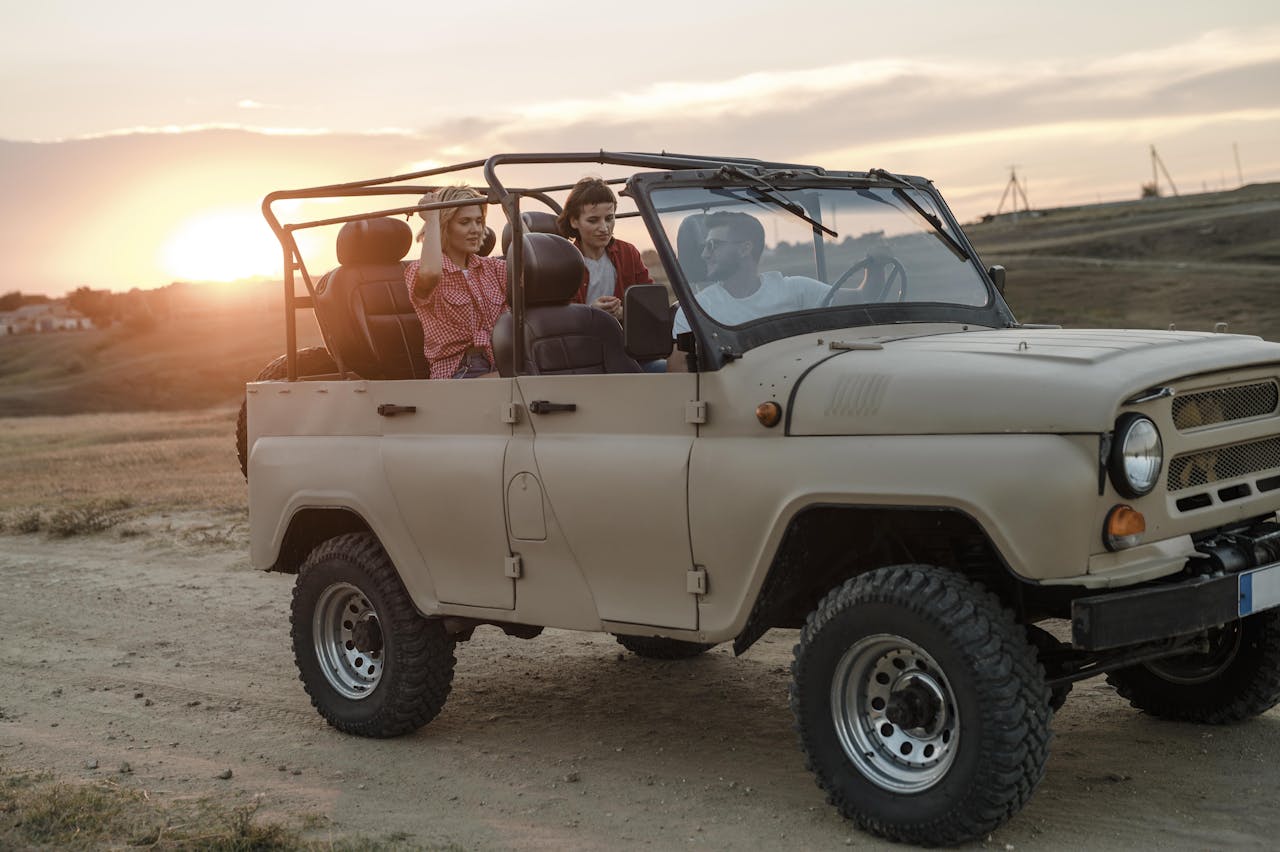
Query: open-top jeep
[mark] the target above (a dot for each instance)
(962, 515)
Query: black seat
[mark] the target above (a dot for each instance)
(560, 337)
(535, 222)
(364, 306)
(690, 238)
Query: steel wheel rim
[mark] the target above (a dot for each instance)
(895, 713)
(347, 636)
(1192, 669)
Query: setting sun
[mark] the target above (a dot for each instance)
(221, 245)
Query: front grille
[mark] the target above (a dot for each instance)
(1221, 463)
(1224, 405)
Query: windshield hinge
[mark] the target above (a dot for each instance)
(695, 582)
(695, 412)
(853, 346)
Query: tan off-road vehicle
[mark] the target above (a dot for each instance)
(962, 515)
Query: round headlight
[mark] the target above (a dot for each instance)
(1136, 455)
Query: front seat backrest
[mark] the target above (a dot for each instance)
(535, 222)
(364, 306)
(560, 337)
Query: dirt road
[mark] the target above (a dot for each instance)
(173, 656)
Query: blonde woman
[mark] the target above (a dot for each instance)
(457, 294)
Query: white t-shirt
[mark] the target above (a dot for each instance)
(777, 294)
(601, 277)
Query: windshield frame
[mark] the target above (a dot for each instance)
(718, 344)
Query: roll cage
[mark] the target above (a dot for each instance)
(716, 345)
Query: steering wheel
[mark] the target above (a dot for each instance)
(882, 270)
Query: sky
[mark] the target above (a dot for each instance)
(137, 138)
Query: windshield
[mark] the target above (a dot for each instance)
(754, 252)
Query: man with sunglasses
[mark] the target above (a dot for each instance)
(740, 292)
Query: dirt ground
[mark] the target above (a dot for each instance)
(164, 650)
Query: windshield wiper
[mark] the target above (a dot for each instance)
(932, 218)
(769, 192)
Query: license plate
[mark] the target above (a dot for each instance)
(1259, 589)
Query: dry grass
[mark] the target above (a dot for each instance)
(74, 474)
(38, 812)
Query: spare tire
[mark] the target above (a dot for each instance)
(312, 361)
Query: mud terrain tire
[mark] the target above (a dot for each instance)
(314, 360)
(659, 648)
(371, 663)
(1237, 679)
(920, 705)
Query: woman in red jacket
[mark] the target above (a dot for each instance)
(613, 265)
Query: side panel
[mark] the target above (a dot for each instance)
(444, 465)
(317, 444)
(744, 491)
(614, 472)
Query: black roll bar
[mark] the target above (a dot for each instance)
(495, 193)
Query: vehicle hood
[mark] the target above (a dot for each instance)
(1007, 380)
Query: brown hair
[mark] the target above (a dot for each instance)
(589, 190)
(741, 226)
(452, 193)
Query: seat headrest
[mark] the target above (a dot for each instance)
(373, 241)
(553, 269)
(535, 222)
(690, 239)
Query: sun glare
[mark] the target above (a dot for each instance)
(221, 245)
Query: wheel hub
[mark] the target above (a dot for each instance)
(367, 635)
(916, 704)
(894, 713)
(348, 641)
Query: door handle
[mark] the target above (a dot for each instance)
(542, 406)
(388, 409)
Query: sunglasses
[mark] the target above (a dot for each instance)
(712, 244)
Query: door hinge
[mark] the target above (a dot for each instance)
(513, 567)
(695, 412)
(695, 582)
(511, 412)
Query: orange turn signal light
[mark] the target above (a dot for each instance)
(1124, 527)
(769, 414)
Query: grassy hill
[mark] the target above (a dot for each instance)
(1192, 261)
(186, 362)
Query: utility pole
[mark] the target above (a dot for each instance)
(1235, 149)
(1014, 189)
(1157, 162)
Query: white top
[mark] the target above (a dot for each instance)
(601, 277)
(777, 294)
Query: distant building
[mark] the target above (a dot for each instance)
(46, 317)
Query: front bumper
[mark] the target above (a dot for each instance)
(1167, 611)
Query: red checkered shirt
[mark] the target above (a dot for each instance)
(461, 311)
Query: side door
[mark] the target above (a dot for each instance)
(444, 463)
(611, 458)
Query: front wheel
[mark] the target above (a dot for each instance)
(371, 663)
(920, 704)
(1235, 678)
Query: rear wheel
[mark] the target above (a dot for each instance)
(312, 361)
(659, 648)
(371, 663)
(921, 707)
(1236, 678)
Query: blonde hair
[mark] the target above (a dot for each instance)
(452, 193)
